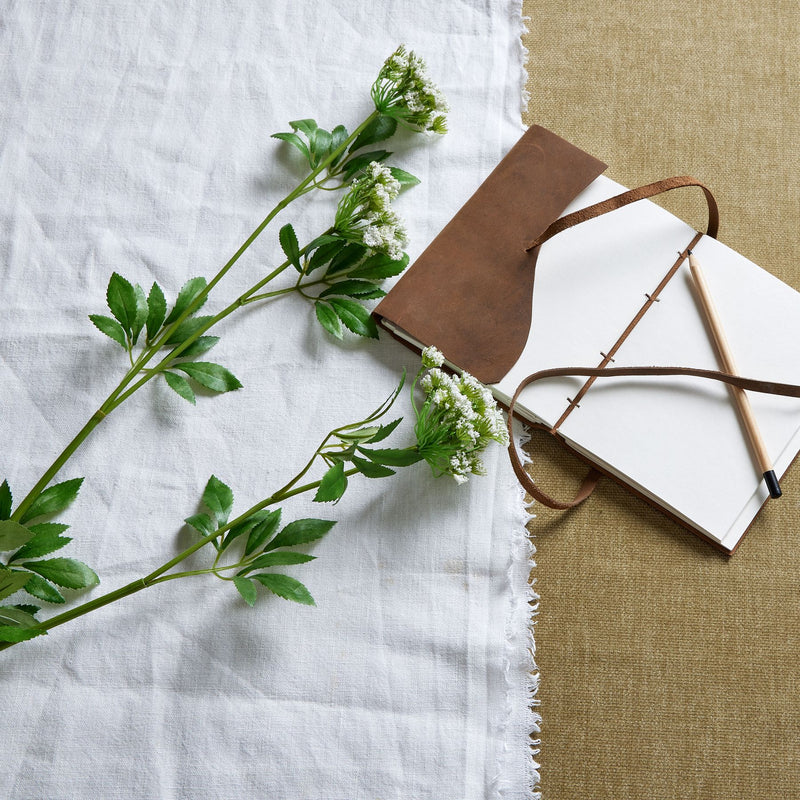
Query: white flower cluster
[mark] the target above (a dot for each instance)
(365, 213)
(404, 91)
(432, 357)
(458, 420)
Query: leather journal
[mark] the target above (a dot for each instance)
(569, 296)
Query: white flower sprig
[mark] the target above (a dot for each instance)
(457, 420)
(365, 213)
(404, 91)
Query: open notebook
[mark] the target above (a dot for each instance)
(677, 441)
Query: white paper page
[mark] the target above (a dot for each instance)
(680, 439)
(590, 282)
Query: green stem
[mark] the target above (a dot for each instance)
(122, 390)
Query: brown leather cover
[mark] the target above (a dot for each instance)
(470, 292)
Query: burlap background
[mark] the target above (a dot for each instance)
(669, 670)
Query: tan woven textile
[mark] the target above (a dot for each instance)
(668, 669)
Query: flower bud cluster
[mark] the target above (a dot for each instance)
(404, 91)
(458, 419)
(365, 213)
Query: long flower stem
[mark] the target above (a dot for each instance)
(123, 390)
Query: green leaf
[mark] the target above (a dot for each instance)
(352, 288)
(386, 430)
(202, 523)
(263, 531)
(42, 589)
(218, 498)
(189, 291)
(13, 535)
(370, 469)
(320, 146)
(392, 457)
(379, 267)
(404, 178)
(299, 532)
(156, 310)
(355, 317)
(332, 486)
(189, 327)
(180, 385)
(245, 526)
(212, 376)
(286, 587)
(121, 299)
(306, 126)
(325, 253)
(11, 581)
(329, 319)
(9, 633)
(111, 328)
(380, 128)
(357, 163)
(46, 539)
(199, 346)
(346, 258)
(288, 239)
(247, 589)
(142, 312)
(6, 500)
(360, 435)
(65, 572)
(338, 137)
(54, 499)
(284, 558)
(295, 141)
(9, 615)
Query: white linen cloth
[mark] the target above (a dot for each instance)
(134, 137)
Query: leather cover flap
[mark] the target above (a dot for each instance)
(470, 292)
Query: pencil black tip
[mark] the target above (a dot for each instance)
(772, 484)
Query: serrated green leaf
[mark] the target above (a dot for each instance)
(11, 581)
(202, 523)
(332, 486)
(66, 572)
(370, 469)
(43, 590)
(218, 498)
(245, 526)
(299, 532)
(10, 615)
(392, 457)
(212, 376)
(286, 587)
(188, 293)
(13, 535)
(11, 634)
(364, 290)
(320, 145)
(359, 435)
(329, 319)
(404, 178)
(121, 299)
(355, 317)
(46, 539)
(6, 500)
(54, 499)
(291, 248)
(263, 531)
(111, 328)
(385, 430)
(31, 609)
(189, 327)
(199, 346)
(284, 558)
(378, 130)
(141, 312)
(347, 257)
(325, 253)
(379, 266)
(156, 310)
(306, 126)
(246, 589)
(338, 138)
(294, 140)
(355, 164)
(180, 385)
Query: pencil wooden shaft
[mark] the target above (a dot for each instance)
(728, 365)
